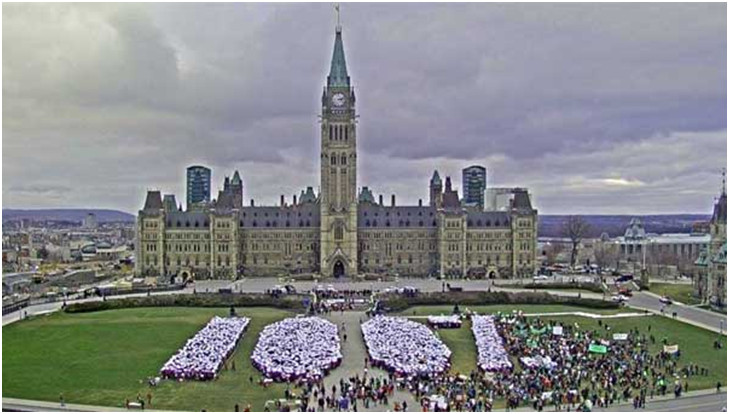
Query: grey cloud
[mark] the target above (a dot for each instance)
(131, 94)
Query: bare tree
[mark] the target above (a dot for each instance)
(574, 228)
(605, 254)
(552, 252)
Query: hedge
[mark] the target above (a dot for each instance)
(399, 303)
(202, 300)
(592, 287)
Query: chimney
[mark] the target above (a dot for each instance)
(283, 202)
(294, 199)
(253, 203)
(420, 202)
(393, 200)
(381, 202)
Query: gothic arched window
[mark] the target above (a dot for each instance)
(346, 133)
(334, 159)
(344, 159)
(331, 133)
(339, 232)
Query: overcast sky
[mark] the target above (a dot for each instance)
(610, 108)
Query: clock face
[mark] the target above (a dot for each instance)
(338, 99)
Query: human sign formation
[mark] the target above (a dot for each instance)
(491, 353)
(298, 348)
(405, 347)
(204, 354)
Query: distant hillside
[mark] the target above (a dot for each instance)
(551, 225)
(70, 214)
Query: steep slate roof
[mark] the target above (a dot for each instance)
(153, 201)
(188, 220)
(225, 201)
(521, 201)
(300, 216)
(487, 219)
(375, 215)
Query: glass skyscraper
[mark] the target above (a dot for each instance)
(198, 185)
(474, 186)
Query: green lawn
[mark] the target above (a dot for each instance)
(102, 358)
(463, 348)
(447, 309)
(678, 292)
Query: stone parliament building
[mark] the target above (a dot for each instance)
(337, 233)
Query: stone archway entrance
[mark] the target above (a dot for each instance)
(492, 275)
(338, 270)
(185, 276)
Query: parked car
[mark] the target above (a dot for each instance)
(665, 300)
(541, 277)
(624, 278)
(625, 292)
(619, 298)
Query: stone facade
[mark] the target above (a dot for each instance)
(337, 232)
(710, 283)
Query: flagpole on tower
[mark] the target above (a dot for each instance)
(336, 8)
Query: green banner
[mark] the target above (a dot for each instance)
(536, 331)
(598, 349)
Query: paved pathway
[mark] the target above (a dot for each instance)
(353, 352)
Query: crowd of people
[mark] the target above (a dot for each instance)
(563, 367)
(445, 321)
(404, 347)
(298, 349)
(491, 353)
(203, 355)
(570, 365)
(351, 394)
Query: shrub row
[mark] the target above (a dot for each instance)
(398, 303)
(592, 287)
(202, 300)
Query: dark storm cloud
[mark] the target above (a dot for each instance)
(596, 107)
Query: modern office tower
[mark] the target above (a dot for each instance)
(198, 185)
(474, 186)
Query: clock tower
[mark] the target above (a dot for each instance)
(338, 200)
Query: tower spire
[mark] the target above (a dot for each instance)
(338, 76)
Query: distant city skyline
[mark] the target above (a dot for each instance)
(596, 108)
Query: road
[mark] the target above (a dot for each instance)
(699, 401)
(704, 403)
(701, 317)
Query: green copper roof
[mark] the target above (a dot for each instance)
(338, 73)
(236, 178)
(720, 257)
(703, 259)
